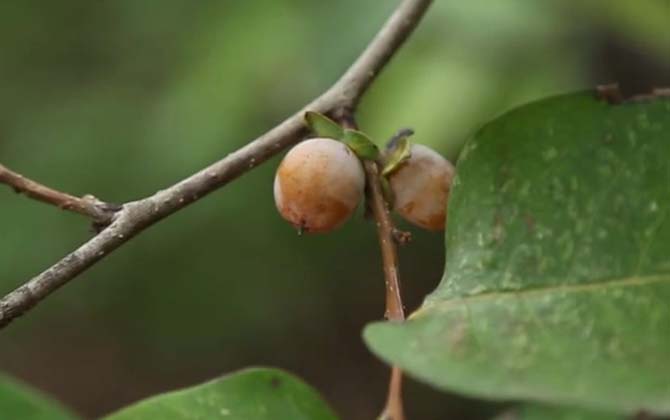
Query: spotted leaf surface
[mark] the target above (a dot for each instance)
(256, 394)
(557, 280)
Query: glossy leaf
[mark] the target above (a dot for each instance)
(548, 412)
(361, 144)
(256, 394)
(557, 282)
(18, 401)
(323, 126)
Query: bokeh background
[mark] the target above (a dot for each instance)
(121, 98)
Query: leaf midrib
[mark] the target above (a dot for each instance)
(564, 288)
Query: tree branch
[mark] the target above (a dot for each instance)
(387, 243)
(89, 206)
(386, 232)
(136, 216)
(388, 235)
(394, 306)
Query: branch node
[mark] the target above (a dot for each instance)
(100, 212)
(402, 237)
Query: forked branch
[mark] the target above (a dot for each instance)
(136, 216)
(100, 212)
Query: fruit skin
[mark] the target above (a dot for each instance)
(318, 185)
(421, 188)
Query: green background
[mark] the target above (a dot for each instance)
(122, 98)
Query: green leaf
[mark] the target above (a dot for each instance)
(548, 412)
(400, 151)
(256, 393)
(361, 144)
(557, 282)
(323, 126)
(18, 401)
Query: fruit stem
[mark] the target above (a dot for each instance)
(385, 231)
(387, 243)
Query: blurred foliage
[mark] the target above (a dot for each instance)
(18, 401)
(255, 393)
(548, 412)
(121, 98)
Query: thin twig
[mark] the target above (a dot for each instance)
(89, 206)
(136, 216)
(388, 236)
(394, 307)
(387, 243)
(394, 406)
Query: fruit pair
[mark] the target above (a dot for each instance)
(320, 182)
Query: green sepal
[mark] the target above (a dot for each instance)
(361, 144)
(399, 152)
(323, 126)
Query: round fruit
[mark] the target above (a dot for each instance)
(318, 185)
(421, 188)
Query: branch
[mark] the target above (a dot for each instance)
(388, 235)
(89, 206)
(136, 216)
(394, 307)
(387, 242)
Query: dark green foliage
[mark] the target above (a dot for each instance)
(19, 402)
(557, 279)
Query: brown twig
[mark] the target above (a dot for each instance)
(89, 206)
(394, 308)
(394, 406)
(387, 242)
(388, 236)
(136, 216)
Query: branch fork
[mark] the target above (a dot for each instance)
(100, 212)
(117, 224)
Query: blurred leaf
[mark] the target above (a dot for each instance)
(361, 144)
(558, 267)
(256, 393)
(548, 412)
(323, 126)
(400, 151)
(18, 401)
